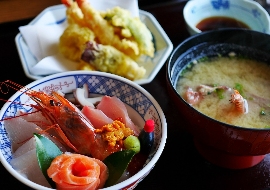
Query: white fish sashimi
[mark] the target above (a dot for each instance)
(36, 116)
(40, 121)
(18, 128)
(19, 131)
(26, 147)
(27, 165)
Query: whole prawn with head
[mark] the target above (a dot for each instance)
(74, 129)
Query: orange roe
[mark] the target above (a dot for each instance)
(115, 132)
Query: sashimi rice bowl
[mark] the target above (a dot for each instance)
(80, 130)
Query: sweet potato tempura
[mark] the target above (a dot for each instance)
(72, 40)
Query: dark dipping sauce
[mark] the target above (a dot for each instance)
(213, 23)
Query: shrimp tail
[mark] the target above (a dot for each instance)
(241, 104)
(192, 97)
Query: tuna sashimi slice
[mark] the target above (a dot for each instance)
(96, 117)
(114, 108)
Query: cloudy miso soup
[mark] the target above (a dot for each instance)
(229, 89)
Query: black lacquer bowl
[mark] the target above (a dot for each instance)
(222, 144)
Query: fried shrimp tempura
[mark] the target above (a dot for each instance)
(108, 59)
(74, 13)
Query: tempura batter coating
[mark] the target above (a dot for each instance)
(72, 41)
(74, 13)
(131, 28)
(140, 41)
(121, 39)
(108, 59)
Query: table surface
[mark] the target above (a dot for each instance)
(180, 165)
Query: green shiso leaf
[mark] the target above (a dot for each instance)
(46, 151)
(117, 164)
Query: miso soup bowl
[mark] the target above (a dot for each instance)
(220, 143)
(249, 12)
(140, 104)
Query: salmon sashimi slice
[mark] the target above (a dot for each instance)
(96, 117)
(114, 108)
(75, 171)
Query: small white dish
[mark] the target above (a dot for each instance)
(247, 11)
(57, 14)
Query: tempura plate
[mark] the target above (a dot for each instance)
(57, 14)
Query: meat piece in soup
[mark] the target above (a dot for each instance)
(229, 89)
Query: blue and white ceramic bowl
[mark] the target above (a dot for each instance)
(247, 11)
(140, 104)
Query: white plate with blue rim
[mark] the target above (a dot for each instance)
(57, 14)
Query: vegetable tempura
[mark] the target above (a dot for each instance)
(121, 39)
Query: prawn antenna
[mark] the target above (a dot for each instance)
(6, 85)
